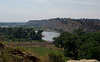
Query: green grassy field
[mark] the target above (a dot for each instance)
(42, 51)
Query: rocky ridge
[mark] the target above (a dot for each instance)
(67, 24)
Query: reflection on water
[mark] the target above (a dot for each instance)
(48, 36)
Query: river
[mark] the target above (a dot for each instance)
(49, 35)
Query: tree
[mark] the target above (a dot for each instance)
(80, 44)
(20, 34)
(32, 35)
(59, 41)
(39, 34)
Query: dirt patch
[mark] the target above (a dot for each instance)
(30, 44)
(49, 45)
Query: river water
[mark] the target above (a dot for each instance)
(48, 36)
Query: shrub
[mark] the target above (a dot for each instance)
(52, 57)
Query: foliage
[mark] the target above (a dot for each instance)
(80, 44)
(46, 54)
(20, 34)
(56, 57)
(42, 51)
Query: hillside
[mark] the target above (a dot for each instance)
(11, 24)
(29, 52)
(67, 24)
(12, 54)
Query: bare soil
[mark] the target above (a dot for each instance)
(34, 44)
(30, 44)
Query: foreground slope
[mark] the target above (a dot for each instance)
(11, 54)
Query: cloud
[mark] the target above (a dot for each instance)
(34, 1)
(83, 2)
(21, 10)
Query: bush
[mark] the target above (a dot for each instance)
(56, 57)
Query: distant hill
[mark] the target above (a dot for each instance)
(67, 24)
(11, 24)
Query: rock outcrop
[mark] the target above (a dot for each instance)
(16, 55)
(84, 60)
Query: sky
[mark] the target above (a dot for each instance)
(25, 10)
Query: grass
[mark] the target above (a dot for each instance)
(6, 57)
(42, 51)
(47, 54)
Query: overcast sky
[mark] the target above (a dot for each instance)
(25, 10)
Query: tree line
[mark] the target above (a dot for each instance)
(20, 33)
(79, 44)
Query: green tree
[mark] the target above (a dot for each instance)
(32, 35)
(80, 44)
(39, 34)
